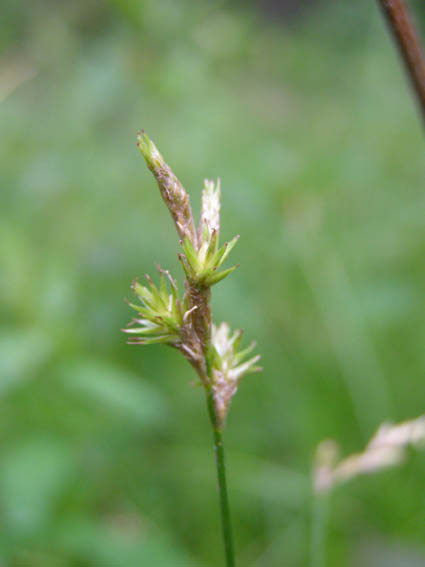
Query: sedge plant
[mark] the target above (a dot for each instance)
(184, 321)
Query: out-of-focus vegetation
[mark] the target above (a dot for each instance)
(105, 449)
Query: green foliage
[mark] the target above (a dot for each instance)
(313, 132)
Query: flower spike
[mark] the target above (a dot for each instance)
(186, 323)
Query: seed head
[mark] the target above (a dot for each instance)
(186, 324)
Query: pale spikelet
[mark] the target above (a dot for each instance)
(210, 212)
(228, 368)
(386, 448)
(407, 433)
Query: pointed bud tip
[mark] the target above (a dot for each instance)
(139, 138)
(146, 146)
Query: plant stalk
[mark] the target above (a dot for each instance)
(221, 478)
(319, 530)
(406, 38)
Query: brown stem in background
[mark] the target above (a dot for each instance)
(405, 36)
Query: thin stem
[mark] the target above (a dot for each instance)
(221, 478)
(318, 530)
(401, 27)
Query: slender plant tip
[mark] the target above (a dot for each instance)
(172, 191)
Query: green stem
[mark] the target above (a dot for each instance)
(221, 477)
(318, 530)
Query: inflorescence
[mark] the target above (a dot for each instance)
(185, 322)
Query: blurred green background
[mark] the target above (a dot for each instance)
(303, 111)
